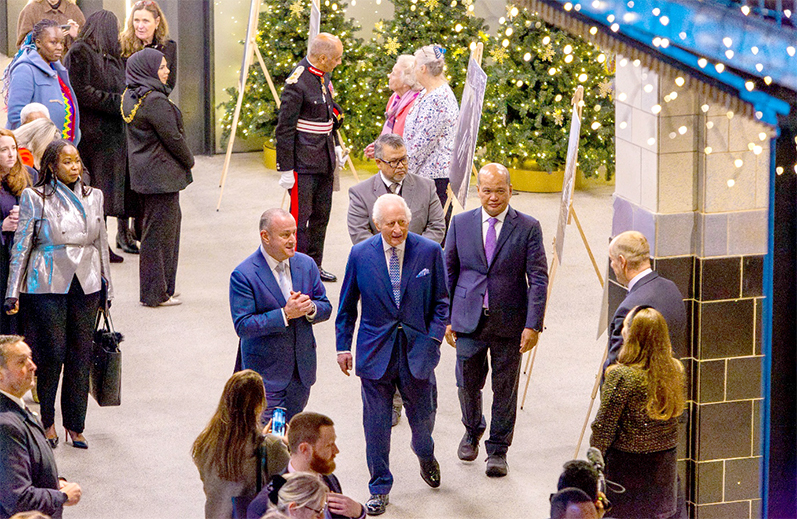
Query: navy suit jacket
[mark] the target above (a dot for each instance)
(28, 475)
(663, 295)
(267, 345)
(423, 313)
(517, 278)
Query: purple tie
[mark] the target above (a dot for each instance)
(489, 250)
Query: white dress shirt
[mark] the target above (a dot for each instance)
(638, 277)
(389, 183)
(486, 224)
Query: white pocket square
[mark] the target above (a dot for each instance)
(424, 272)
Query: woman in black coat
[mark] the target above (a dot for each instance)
(95, 64)
(160, 167)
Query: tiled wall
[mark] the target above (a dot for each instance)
(694, 179)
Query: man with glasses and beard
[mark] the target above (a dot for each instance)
(311, 438)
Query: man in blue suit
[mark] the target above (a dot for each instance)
(276, 296)
(498, 280)
(629, 253)
(400, 279)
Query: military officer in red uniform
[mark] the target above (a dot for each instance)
(307, 148)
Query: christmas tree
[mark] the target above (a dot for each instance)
(451, 24)
(283, 27)
(534, 70)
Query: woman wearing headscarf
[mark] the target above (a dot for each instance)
(37, 76)
(98, 77)
(160, 167)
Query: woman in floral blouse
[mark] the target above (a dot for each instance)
(431, 123)
(636, 428)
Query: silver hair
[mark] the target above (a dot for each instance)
(388, 139)
(501, 169)
(6, 341)
(36, 136)
(323, 45)
(386, 199)
(304, 489)
(407, 64)
(269, 215)
(32, 108)
(426, 56)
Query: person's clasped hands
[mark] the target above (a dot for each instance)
(298, 305)
(11, 221)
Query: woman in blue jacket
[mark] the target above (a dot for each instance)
(37, 76)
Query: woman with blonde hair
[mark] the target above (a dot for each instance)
(636, 428)
(302, 496)
(146, 27)
(234, 453)
(35, 136)
(432, 120)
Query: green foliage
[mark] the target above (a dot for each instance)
(283, 27)
(534, 70)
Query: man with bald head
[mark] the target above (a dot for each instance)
(307, 147)
(399, 279)
(629, 254)
(498, 280)
(276, 296)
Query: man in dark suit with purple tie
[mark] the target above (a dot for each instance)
(498, 280)
(400, 279)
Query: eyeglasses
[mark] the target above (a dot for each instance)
(403, 161)
(318, 513)
(142, 3)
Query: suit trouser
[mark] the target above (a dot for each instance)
(293, 398)
(314, 203)
(160, 246)
(60, 333)
(471, 374)
(420, 402)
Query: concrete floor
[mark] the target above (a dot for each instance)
(176, 361)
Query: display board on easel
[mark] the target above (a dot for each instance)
(250, 51)
(567, 213)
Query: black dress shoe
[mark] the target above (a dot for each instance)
(496, 466)
(326, 276)
(376, 504)
(468, 447)
(430, 472)
(126, 243)
(114, 257)
(396, 416)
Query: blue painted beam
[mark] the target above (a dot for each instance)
(707, 29)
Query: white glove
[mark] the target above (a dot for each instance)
(341, 156)
(287, 179)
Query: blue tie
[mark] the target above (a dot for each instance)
(395, 276)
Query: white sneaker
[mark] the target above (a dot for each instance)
(172, 301)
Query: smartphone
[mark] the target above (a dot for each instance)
(278, 421)
(66, 28)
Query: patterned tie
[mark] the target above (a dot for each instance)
(489, 251)
(395, 276)
(283, 280)
(394, 187)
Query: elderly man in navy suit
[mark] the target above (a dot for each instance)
(498, 279)
(276, 296)
(629, 254)
(28, 475)
(399, 277)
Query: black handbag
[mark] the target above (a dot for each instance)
(105, 380)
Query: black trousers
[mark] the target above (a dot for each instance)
(471, 374)
(313, 205)
(59, 330)
(160, 247)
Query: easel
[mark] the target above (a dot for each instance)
(476, 55)
(567, 191)
(250, 51)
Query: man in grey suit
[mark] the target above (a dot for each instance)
(418, 192)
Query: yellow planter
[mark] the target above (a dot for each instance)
(536, 181)
(269, 157)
